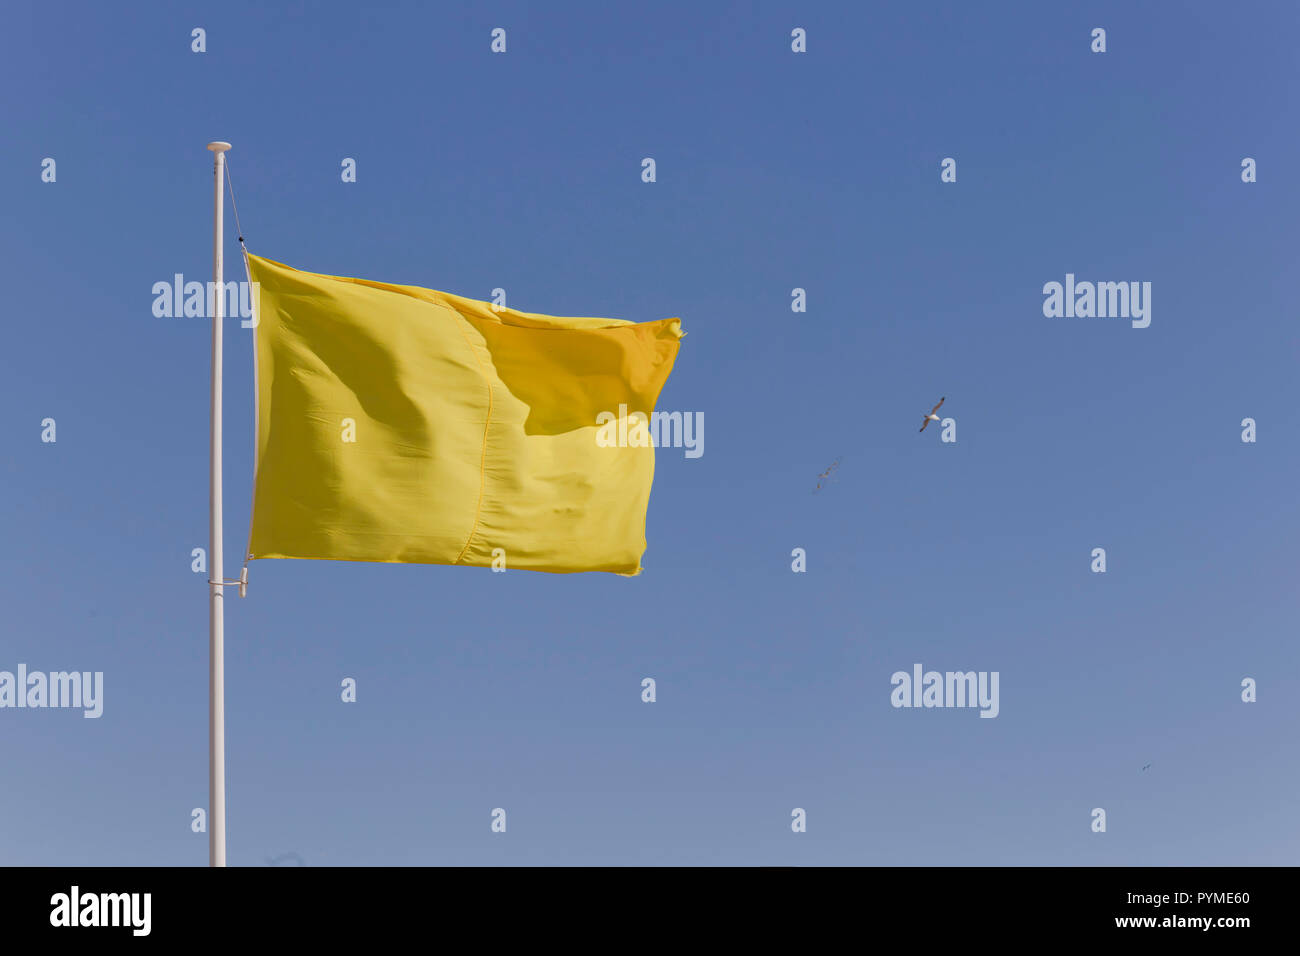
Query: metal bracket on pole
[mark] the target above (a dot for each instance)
(242, 583)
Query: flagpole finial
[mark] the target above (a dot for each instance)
(218, 146)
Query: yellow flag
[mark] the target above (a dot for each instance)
(401, 424)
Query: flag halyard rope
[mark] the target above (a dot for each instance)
(239, 230)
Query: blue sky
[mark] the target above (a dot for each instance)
(775, 170)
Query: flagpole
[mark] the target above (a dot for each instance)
(216, 569)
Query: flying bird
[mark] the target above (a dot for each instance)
(822, 478)
(1144, 768)
(932, 417)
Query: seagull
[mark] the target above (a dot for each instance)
(932, 417)
(1146, 767)
(821, 479)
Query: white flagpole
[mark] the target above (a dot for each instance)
(216, 569)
